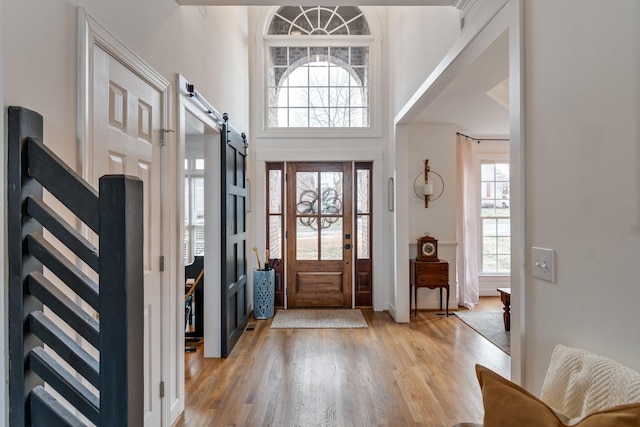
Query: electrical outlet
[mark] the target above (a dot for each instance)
(542, 264)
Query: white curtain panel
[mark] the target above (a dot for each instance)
(466, 226)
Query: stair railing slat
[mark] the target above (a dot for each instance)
(69, 350)
(64, 269)
(65, 184)
(63, 232)
(56, 300)
(72, 390)
(47, 411)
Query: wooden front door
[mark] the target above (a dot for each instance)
(319, 235)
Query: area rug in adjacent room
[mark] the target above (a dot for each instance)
(490, 325)
(318, 318)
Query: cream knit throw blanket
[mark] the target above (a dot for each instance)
(579, 383)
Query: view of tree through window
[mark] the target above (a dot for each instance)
(318, 84)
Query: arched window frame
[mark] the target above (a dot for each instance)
(372, 41)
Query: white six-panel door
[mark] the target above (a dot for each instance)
(126, 137)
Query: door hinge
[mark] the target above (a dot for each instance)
(161, 262)
(161, 389)
(163, 136)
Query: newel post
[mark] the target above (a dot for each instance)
(121, 301)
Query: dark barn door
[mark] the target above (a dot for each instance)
(234, 237)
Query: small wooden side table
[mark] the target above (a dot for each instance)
(432, 275)
(505, 297)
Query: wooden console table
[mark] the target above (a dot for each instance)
(505, 297)
(432, 275)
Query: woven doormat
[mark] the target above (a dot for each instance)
(319, 319)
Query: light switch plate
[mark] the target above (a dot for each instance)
(542, 264)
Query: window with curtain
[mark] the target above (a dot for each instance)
(495, 218)
(318, 68)
(193, 207)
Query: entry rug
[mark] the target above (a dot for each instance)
(318, 319)
(490, 325)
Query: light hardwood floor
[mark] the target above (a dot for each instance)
(416, 374)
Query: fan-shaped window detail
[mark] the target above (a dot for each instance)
(318, 20)
(311, 82)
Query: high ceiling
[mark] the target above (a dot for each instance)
(476, 101)
(466, 103)
(315, 2)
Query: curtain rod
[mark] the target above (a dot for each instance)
(482, 139)
(194, 94)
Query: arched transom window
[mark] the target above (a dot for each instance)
(318, 71)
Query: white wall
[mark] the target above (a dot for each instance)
(418, 38)
(436, 142)
(582, 142)
(40, 69)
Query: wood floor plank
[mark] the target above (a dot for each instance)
(416, 374)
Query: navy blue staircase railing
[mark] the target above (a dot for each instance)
(46, 319)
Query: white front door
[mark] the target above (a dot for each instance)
(126, 115)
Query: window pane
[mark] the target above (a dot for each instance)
(488, 190)
(199, 164)
(489, 227)
(489, 245)
(487, 172)
(341, 54)
(298, 54)
(331, 239)
(275, 236)
(187, 197)
(272, 96)
(359, 26)
(359, 117)
(307, 189)
(357, 97)
(275, 191)
(363, 237)
(504, 245)
(298, 117)
(318, 117)
(278, 55)
(318, 97)
(299, 97)
(362, 204)
(339, 97)
(331, 183)
(504, 227)
(360, 56)
(199, 240)
(504, 264)
(306, 242)
(502, 172)
(489, 263)
(319, 54)
(197, 202)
